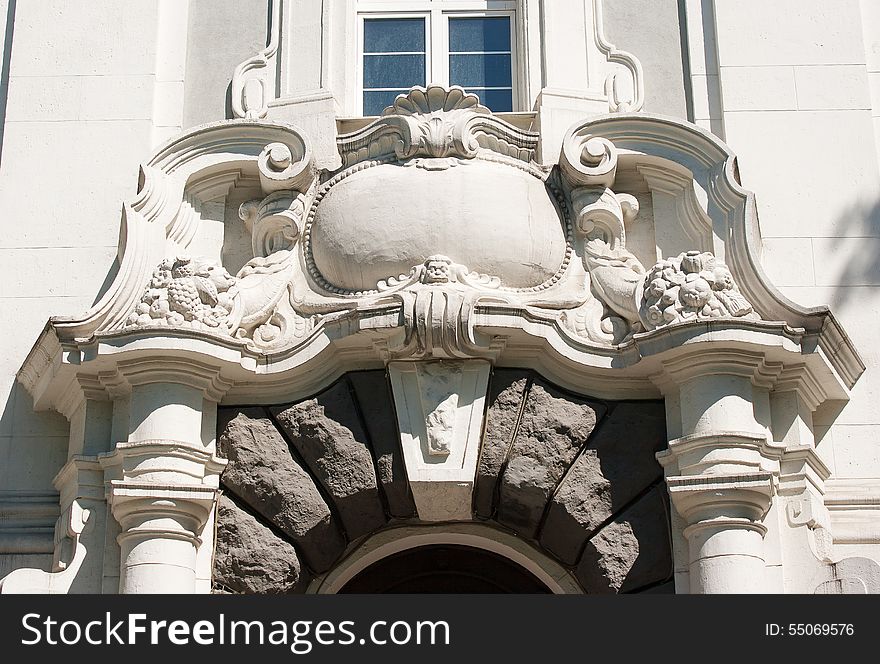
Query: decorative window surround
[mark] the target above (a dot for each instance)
(140, 375)
(435, 15)
(308, 74)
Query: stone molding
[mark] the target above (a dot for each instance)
(253, 79)
(28, 521)
(853, 507)
(616, 103)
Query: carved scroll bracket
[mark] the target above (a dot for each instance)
(275, 222)
(284, 167)
(587, 161)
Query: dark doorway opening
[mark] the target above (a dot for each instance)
(445, 569)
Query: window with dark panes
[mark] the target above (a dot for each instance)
(416, 42)
(480, 59)
(394, 60)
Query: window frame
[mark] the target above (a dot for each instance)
(436, 15)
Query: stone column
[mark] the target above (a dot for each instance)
(160, 535)
(720, 466)
(725, 537)
(163, 481)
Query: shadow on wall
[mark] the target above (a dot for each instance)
(857, 255)
(34, 445)
(4, 73)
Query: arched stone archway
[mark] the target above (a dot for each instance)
(575, 478)
(439, 568)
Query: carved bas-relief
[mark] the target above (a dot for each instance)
(558, 242)
(440, 408)
(443, 251)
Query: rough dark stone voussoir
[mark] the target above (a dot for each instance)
(617, 464)
(631, 552)
(250, 558)
(505, 398)
(377, 407)
(262, 473)
(553, 428)
(328, 435)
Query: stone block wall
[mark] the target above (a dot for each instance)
(575, 477)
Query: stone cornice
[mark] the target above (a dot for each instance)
(80, 477)
(162, 462)
(726, 362)
(802, 469)
(636, 369)
(720, 453)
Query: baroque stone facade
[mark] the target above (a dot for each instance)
(547, 335)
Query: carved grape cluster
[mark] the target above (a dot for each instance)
(186, 292)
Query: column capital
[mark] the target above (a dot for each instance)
(140, 500)
(162, 525)
(737, 500)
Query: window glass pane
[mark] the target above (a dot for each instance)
(393, 71)
(491, 33)
(394, 35)
(499, 101)
(491, 71)
(375, 101)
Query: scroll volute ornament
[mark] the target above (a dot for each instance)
(693, 285)
(198, 293)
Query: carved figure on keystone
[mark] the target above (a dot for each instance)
(436, 270)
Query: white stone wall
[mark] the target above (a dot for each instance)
(797, 100)
(89, 88)
(92, 86)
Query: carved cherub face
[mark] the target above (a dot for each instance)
(436, 270)
(721, 278)
(695, 291)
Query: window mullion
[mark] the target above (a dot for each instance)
(439, 48)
